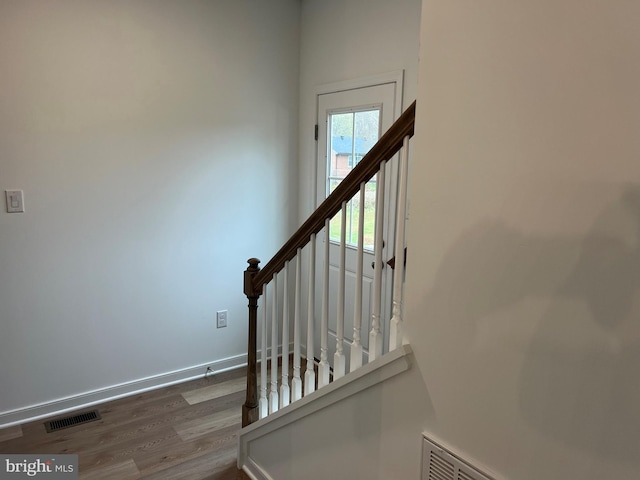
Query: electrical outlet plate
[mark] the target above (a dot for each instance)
(221, 318)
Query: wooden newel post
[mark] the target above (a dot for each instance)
(250, 412)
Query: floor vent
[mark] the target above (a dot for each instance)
(441, 464)
(55, 425)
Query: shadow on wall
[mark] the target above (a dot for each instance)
(579, 382)
(587, 362)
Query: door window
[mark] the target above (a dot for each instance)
(352, 134)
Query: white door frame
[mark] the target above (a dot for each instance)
(396, 77)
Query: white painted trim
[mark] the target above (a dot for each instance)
(381, 369)
(396, 77)
(259, 353)
(255, 471)
(88, 399)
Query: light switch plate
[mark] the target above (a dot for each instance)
(15, 201)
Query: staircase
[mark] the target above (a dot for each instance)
(283, 309)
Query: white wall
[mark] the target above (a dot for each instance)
(370, 434)
(523, 293)
(346, 40)
(156, 145)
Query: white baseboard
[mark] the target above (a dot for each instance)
(88, 399)
(255, 471)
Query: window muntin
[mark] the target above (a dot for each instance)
(352, 134)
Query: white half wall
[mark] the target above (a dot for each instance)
(156, 144)
(361, 426)
(523, 285)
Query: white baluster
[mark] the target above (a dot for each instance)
(356, 346)
(273, 395)
(338, 357)
(324, 367)
(296, 381)
(284, 385)
(395, 331)
(263, 403)
(375, 336)
(309, 375)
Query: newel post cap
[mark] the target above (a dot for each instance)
(249, 290)
(253, 264)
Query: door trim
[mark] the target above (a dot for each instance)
(394, 80)
(396, 77)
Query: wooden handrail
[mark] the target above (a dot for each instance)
(386, 147)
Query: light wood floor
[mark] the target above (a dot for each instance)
(183, 432)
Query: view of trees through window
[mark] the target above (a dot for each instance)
(352, 136)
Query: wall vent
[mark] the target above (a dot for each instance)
(55, 425)
(439, 463)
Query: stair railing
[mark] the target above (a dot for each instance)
(264, 283)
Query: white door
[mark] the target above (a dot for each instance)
(349, 124)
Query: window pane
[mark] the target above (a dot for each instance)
(352, 136)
